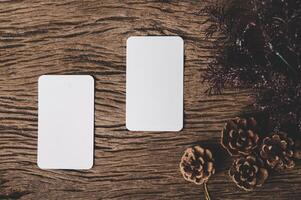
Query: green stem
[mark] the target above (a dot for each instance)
(285, 62)
(207, 195)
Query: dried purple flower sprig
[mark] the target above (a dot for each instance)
(260, 49)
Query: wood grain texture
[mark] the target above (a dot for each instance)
(89, 37)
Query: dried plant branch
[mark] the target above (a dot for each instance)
(260, 49)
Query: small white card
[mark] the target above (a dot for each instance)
(154, 83)
(65, 122)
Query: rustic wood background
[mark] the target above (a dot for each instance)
(89, 37)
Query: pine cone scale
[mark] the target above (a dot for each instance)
(264, 174)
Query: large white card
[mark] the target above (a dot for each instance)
(65, 121)
(154, 83)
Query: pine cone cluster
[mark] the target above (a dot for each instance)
(197, 165)
(254, 156)
(248, 173)
(277, 151)
(239, 136)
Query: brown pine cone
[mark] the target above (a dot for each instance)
(240, 136)
(197, 165)
(248, 173)
(277, 151)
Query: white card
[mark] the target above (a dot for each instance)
(154, 83)
(66, 122)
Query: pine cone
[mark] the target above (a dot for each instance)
(197, 165)
(248, 173)
(277, 151)
(239, 136)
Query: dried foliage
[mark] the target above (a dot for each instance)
(259, 49)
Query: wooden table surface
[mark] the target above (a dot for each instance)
(89, 37)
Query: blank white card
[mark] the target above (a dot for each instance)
(154, 83)
(65, 121)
